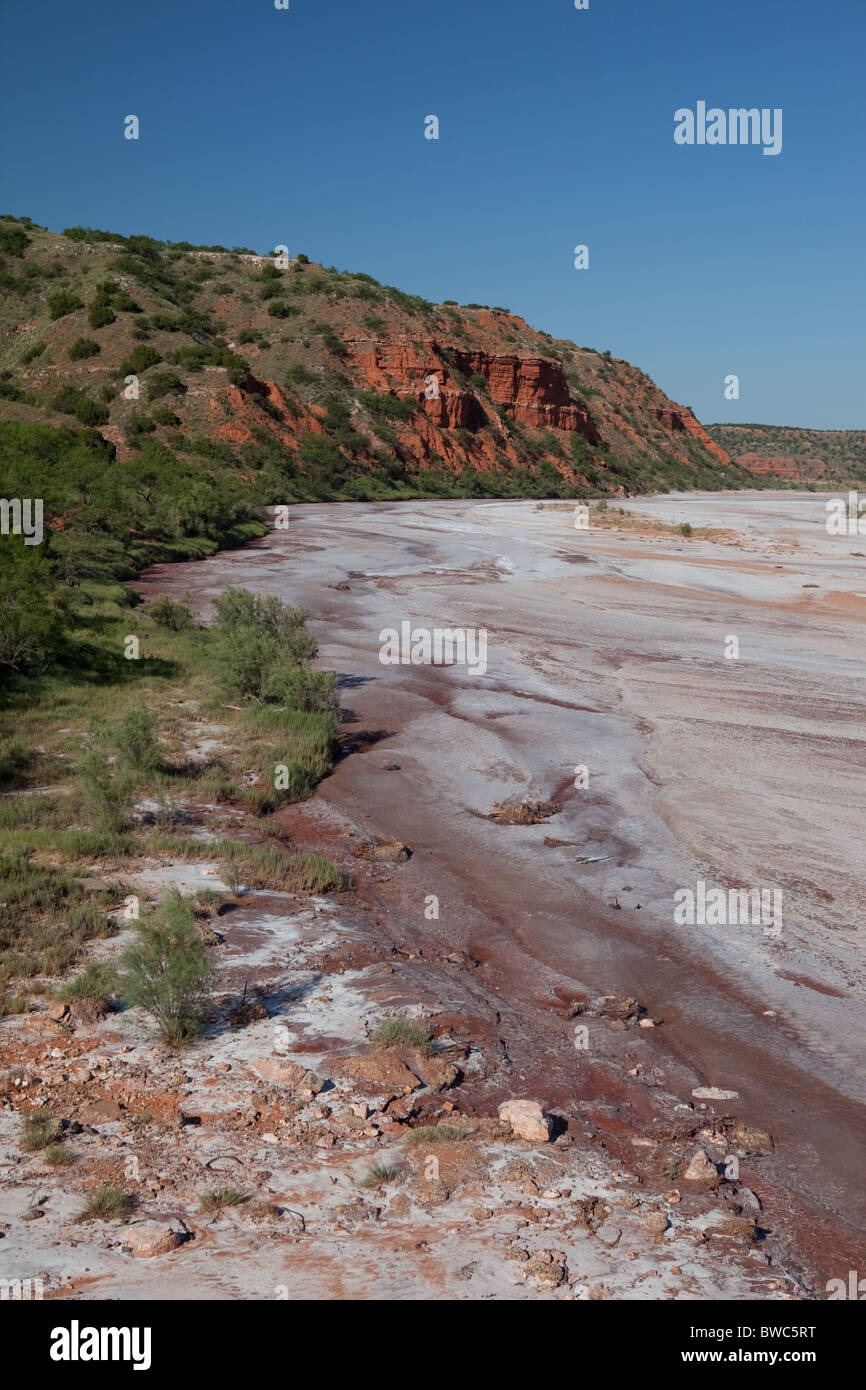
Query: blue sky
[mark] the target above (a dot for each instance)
(306, 127)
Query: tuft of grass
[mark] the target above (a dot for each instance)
(380, 1175)
(435, 1134)
(37, 1132)
(219, 1197)
(106, 1203)
(58, 1155)
(402, 1032)
(98, 983)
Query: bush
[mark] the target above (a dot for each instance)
(167, 971)
(686, 528)
(63, 303)
(178, 617)
(138, 361)
(70, 401)
(219, 1197)
(387, 406)
(82, 347)
(100, 314)
(37, 1131)
(260, 650)
(135, 738)
(13, 240)
(435, 1134)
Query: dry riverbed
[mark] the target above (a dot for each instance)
(701, 1086)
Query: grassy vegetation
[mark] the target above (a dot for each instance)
(402, 1032)
(435, 1134)
(100, 733)
(380, 1175)
(219, 1197)
(106, 1203)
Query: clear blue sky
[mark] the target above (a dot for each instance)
(306, 127)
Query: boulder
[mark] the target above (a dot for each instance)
(149, 1238)
(278, 1069)
(527, 1120)
(700, 1169)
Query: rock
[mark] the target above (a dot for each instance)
(657, 1222)
(548, 1273)
(58, 1012)
(279, 1070)
(714, 1093)
(382, 1067)
(527, 1120)
(102, 1112)
(310, 1085)
(436, 1073)
(700, 1169)
(738, 1227)
(149, 1238)
(82, 1074)
(754, 1141)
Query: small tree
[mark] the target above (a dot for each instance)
(167, 971)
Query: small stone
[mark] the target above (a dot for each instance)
(657, 1222)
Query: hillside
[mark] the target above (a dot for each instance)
(795, 455)
(308, 382)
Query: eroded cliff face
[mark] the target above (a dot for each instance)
(795, 455)
(265, 359)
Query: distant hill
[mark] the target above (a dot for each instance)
(308, 382)
(795, 455)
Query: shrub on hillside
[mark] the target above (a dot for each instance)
(82, 347)
(70, 401)
(63, 303)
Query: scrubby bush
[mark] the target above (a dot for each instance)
(261, 648)
(167, 972)
(82, 347)
(63, 303)
(71, 401)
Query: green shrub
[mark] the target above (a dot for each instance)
(385, 405)
(260, 650)
(178, 617)
(82, 347)
(167, 971)
(62, 303)
(100, 314)
(13, 240)
(70, 401)
(137, 744)
(138, 361)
